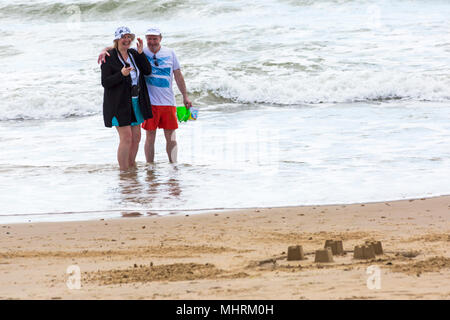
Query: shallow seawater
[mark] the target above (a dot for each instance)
(270, 157)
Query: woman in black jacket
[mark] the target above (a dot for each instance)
(126, 103)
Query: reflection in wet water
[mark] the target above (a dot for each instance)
(174, 187)
(144, 184)
(151, 179)
(130, 186)
(131, 214)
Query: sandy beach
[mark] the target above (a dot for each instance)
(233, 255)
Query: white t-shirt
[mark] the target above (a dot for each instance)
(159, 83)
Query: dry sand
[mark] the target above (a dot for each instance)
(234, 255)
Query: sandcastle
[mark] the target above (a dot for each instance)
(324, 255)
(368, 251)
(295, 253)
(364, 252)
(336, 246)
(376, 246)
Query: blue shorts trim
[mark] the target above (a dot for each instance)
(115, 122)
(137, 112)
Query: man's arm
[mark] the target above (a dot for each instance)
(103, 54)
(182, 87)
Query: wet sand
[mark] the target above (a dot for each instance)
(234, 255)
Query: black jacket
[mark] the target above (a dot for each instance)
(117, 95)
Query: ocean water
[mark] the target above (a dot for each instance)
(301, 102)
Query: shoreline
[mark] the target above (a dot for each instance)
(176, 212)
(234, 254)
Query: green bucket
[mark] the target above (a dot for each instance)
(183, 114)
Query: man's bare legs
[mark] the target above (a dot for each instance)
(149, 146)
(171, 145)
(135, 139)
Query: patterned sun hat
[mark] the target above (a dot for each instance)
(121, 31)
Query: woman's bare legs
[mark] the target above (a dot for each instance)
(135, 139)
(123, 151)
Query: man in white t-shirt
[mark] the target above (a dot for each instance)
(165, 67)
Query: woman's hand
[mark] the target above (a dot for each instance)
(126, 71)
(140, 45)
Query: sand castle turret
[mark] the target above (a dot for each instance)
(295, 253)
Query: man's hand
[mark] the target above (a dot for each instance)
(140, 45)
(126, 71)
(103, 54)
(102, 57)
(187, 102)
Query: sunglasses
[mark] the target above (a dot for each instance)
(156, 60)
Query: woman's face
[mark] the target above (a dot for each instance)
(125, 41)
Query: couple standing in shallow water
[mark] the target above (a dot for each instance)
(138, 92)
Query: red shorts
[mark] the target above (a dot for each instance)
(164, 117)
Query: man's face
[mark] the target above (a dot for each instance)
(153, 42)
